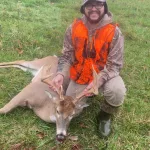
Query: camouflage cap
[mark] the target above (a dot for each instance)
(85, 1)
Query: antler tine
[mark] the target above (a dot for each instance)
(49, 82)
(60, 92)
(93, 90)
(46, 80)
(82, 95)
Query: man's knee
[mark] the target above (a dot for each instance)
(114, 91)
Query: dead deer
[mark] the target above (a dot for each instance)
(50, 106)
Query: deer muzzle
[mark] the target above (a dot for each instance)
(62, 126)
(60, 138)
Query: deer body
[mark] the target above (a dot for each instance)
(36, 100)
(48, 105)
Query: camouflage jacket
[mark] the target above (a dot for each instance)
(115, 56)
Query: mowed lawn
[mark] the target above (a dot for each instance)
(34, 29)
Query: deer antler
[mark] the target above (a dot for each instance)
(46, 79)
(93, 90)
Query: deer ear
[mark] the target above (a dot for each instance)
(53, 98)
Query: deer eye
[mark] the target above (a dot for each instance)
(57, 112)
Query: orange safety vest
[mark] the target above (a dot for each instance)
(89, 51)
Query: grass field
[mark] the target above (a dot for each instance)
(35, 29)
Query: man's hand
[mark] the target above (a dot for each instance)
(90, 86)
(57, 82)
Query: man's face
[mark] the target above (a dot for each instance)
(94, 11)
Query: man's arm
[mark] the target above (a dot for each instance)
(67, 54)
(114, 60)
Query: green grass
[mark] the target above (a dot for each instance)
(37, 28)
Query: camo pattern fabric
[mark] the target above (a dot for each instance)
(115, 56)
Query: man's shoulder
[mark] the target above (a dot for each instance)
(118, 31)
(74, 21)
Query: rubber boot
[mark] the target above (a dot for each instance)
(104, 124)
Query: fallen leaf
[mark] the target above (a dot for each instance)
(19, 44)
(54, 148)
(40, 135)
(31, 148)
(145, 67)
(19, 51)
(17, 146)
(76, 147)
(19, 47)
(83, 125)
(73, 138)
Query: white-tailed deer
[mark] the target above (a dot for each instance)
(50, 106)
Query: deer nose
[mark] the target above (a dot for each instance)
(60, 138)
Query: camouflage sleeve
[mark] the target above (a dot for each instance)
(115, 58)
(66, 58)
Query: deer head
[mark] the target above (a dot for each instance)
(66, 107)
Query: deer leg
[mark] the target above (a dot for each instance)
(21, 64)
(10, 106)
(15, 64)
(8, 66)
(31, 66)
(15, 102)
(7, 108)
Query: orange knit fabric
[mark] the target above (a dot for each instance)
(89, 51)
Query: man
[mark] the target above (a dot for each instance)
(94, 40)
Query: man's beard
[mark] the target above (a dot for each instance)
(94, 21)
